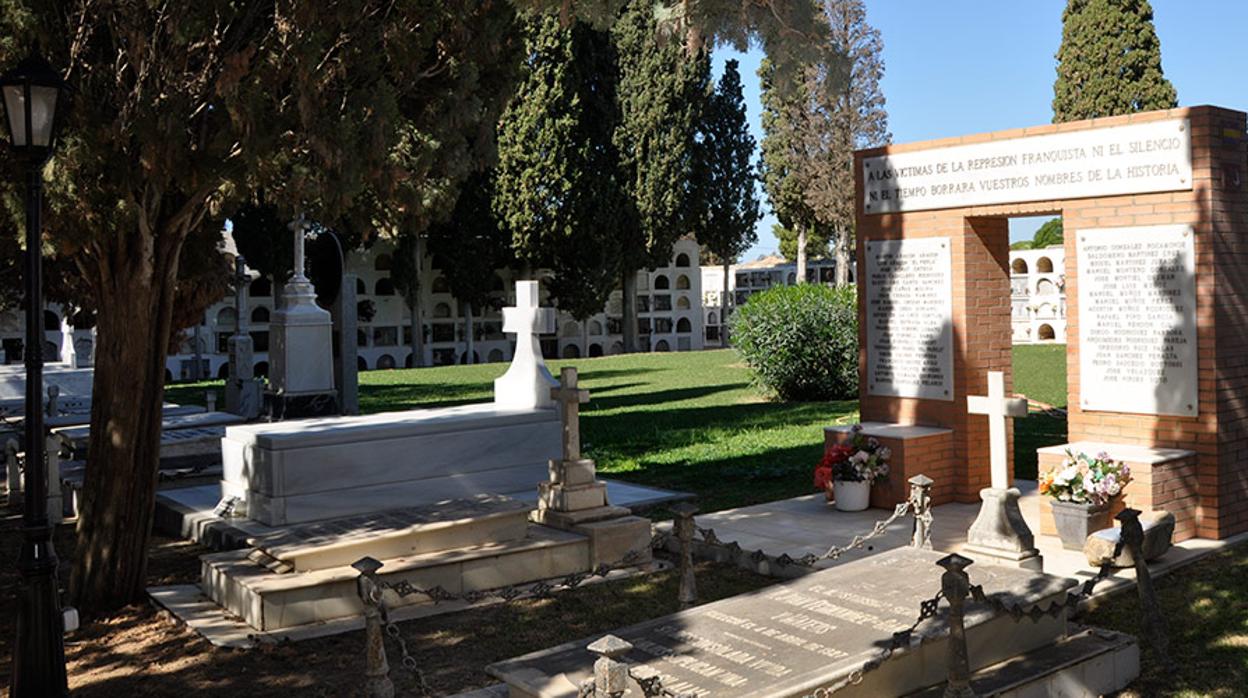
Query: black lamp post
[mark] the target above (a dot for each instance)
(31, 94)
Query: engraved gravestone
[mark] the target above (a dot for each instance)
(795, 637)
(1137, 319)
(909, 314)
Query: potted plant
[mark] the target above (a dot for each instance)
(1082, 488)
(848, 470)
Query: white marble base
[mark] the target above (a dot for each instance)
(307, 470)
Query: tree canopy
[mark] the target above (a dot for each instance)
(1109, 62)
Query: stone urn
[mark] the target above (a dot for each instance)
(852, 496)
(1076, 520)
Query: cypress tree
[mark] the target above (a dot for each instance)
(785, 163)
(661, 93)
(557, 184)
(1109, 62)
(726, 178)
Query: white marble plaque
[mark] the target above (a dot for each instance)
(1134, 159)
(909, 296)
(1137, 320)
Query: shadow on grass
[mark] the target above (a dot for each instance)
(391, 397)
(1036, 431)
(660, 397)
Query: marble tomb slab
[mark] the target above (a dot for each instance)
(314, 469)
(792, 638)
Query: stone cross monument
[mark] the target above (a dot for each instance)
(575, 499)
(527, 382)
(301, 381)
(999, 532)
(69, 355)
(242, 391)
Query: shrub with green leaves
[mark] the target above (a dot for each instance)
(801, 341)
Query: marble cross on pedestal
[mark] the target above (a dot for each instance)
(526, 383)
(571, 397)
(998, 407)
(299, 227)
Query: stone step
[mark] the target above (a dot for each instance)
(271, 601)
(1089, 663)
(447, 525)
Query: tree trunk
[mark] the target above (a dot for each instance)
(801, 254)
(469, 340)
(725, 303)
(842, 258)
(413, 306)
(630, 311)
(134, 287)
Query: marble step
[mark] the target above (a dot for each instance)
(267, 600)
(446, 525)
(1089, 663)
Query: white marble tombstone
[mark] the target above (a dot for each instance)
(301, 353)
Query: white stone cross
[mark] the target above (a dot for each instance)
(527, 382)
(998, 407)
(299, 227)
(571, 397)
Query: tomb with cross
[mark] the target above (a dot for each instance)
(301, 371)
(999, 532)
(574, 499)
(527, 382)
(242, 390)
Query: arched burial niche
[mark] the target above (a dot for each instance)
(1044, 265)
(1019, 266)
(1154, 394)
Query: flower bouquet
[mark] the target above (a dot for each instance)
(1082, 488)
(850, 469)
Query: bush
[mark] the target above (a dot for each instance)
(801, 341)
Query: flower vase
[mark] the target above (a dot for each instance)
(1075, 521)
(852, 496)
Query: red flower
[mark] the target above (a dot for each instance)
(823, 476)
(838, 453)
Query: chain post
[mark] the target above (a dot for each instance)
(955, 586)
(377, 682)
(1154, 622)
(13, 476)
(685, 527)
(921, 505)
(54, 394)
(610, 671)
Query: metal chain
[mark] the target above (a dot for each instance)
(438, 594)
(1054, 608)
(541, 589)
(392, 629)
(810, 559)
(651, 683)
(899, 640)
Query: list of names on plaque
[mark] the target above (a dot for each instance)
(1137, 320)
(909, 297)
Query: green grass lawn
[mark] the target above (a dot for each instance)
(1205, 607)
(1040, 374)
(692, 421)
(687, 421)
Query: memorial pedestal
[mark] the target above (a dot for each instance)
(916, 449)
(1000, 534)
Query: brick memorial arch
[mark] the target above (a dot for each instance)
(1155, 211)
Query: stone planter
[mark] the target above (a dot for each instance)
(852, 496)
(1075, 521)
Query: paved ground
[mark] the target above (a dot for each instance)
(808, 524)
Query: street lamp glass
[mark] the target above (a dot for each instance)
(15, 113)
(32, 92)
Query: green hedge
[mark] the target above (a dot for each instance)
(801, 341)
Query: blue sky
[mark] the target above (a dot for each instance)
(955, 67)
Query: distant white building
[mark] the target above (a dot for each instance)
(1038, 295)
(668, 303)
(748, 278)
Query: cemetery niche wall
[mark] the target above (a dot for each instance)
(1155, 210)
